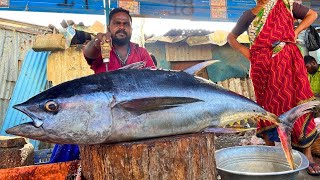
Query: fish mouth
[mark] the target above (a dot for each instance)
(26, 130)
(272, 118)
(37, 122)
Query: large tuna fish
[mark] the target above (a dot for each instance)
(127, 105)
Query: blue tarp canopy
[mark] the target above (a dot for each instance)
(57, 6)
(205, 10)
(201, 10)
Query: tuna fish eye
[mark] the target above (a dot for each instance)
(51, 106)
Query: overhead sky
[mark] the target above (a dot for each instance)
(150, 26)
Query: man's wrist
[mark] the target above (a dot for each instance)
(92, 49)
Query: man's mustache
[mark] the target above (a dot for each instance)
(122, 31)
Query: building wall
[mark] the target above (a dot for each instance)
(67, 65)
(181, 51)
(242, 86)
(231, 72)
(158, 50)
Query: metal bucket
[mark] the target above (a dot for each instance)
(258, 163)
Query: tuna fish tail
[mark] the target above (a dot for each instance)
(285, 127)
(285, 138)
(288, 118)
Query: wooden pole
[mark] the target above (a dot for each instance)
(185, 157)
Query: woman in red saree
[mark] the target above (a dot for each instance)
(277, 67)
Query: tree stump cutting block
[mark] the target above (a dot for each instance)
(182, 157)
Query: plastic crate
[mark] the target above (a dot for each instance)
(42, 156)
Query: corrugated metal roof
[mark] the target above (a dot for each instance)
(181, 51)
(4, 103)
(13, 48)
(159, 51)
(241, 86)
(197, 37)
(23, 27)
(31, 81)
(187, 32)
(15, 40)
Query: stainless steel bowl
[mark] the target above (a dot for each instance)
(258, 163)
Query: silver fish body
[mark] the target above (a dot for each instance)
(127, 105)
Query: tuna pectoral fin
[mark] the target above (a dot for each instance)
(198, 67)
(144, 105)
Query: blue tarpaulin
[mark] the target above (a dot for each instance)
(58, 6)
(200, 10)
(203, 10)
(31, 81)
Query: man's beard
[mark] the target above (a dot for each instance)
(122, 41)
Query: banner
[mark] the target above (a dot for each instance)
(56, 6)
(4, 3)
(131, 5)
(218, 9)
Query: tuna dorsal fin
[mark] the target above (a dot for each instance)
(198, 67)
(155, 103)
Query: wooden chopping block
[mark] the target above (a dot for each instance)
(185, 157)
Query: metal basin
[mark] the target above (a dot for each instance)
(258, 163)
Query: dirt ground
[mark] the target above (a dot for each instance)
(249, 138)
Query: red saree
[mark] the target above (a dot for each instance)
(278, 73)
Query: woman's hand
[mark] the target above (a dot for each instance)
(246, 52)
(295, 35)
